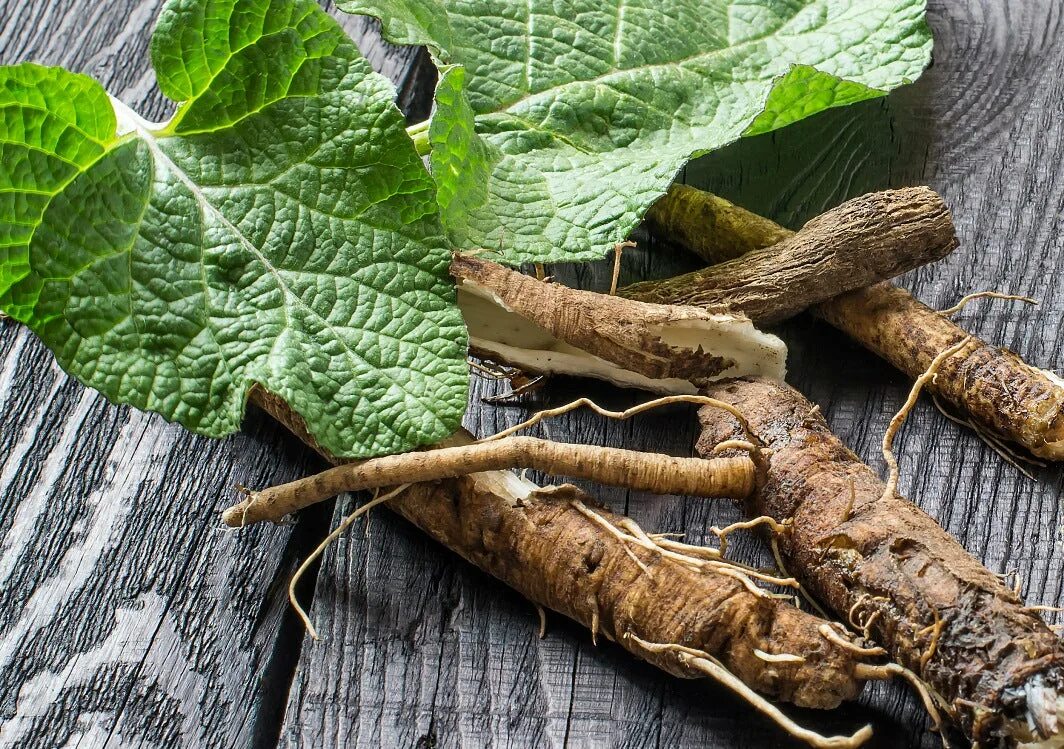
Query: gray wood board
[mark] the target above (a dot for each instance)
(128, 618)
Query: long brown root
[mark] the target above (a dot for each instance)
(941, 614)
(993, 386)
(661, 474)
(539, 543)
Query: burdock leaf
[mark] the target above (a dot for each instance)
(585, 110)
(280, 230)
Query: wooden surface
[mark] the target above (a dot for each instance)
(128, 617)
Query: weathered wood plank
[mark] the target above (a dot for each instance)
(421, 650)
(128, 617)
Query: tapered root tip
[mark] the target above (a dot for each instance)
(234, 516)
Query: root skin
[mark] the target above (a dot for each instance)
(548, 328)
(994, 386)
(863, 241)
(541, 545)
(941, 614)
(660, 474)
(1005, 396)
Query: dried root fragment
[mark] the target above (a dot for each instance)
(1002, 394)
(546, 328)
(994, 663)
(864, 240)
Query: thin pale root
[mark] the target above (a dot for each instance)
(968, 298)
(346, 523)
(891, 670)
(830, 634)
(899, 418)
(778, 657)
(705, 663)
(618, 250)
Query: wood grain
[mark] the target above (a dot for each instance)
(128, 618)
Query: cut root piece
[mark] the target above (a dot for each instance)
(704, 664)
(545, 328)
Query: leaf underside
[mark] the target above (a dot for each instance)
(573, 116)
(279, 230)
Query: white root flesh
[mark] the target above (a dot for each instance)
(500, 333)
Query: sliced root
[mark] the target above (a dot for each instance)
(969, 298)
(346, 523)
(891, 487)
(704, 663)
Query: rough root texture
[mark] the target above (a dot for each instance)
(711, 227)
(864, 240)
(548, 328)
(997, 388)
(544, 548)
(997, 666)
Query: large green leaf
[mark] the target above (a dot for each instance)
(585, 110)
(279, 230)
